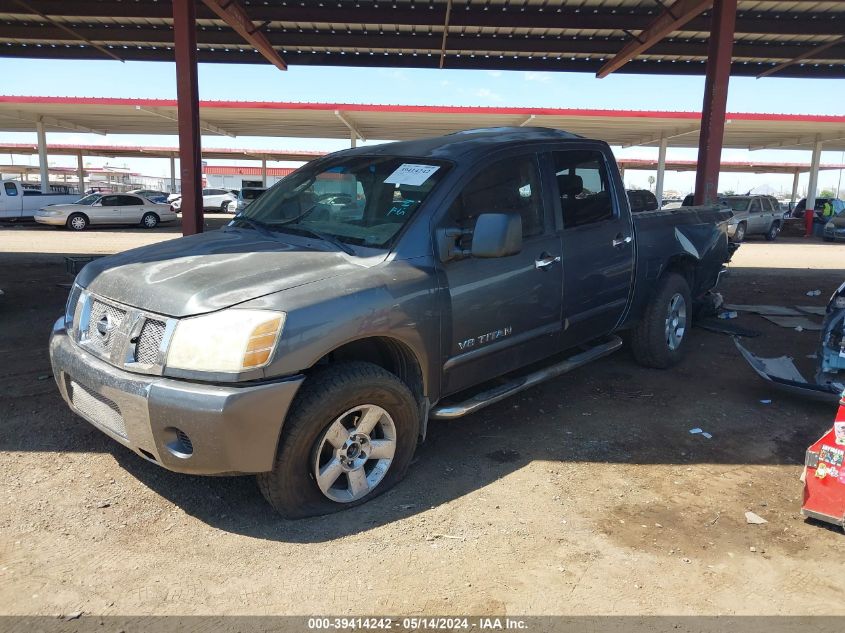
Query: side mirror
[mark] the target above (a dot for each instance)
(497, 235)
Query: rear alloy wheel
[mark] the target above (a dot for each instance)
(774, 229)
(77, 222)
(659, 339)
(149, 221)
(349, 436)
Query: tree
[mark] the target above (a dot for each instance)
(826, 193)
(651, 181)
(729, 192)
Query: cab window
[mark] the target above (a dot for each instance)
(11, 189)
(507, 186)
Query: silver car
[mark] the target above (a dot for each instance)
(97, 208)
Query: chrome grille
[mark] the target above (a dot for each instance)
(98, 342)
(97, 408)
(149, 342)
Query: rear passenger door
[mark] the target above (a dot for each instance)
(505, 311)
(756, 222)
(598, 248)
(131, 209)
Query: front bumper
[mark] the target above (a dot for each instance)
(54, 220)
(835, 233)
(229, 429)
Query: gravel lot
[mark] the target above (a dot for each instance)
(585, 495)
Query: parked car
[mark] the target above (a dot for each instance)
(16, 202)
(115, 208)
(834, 229)
(753, 215)
(312, 348)
(212, 200)
(159, 197)
(642, 200)
(245, 197)
(801, 207)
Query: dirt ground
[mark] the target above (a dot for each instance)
(585, 495)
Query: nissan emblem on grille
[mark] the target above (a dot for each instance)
(105, 325)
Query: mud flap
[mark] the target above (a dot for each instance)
(782, 373)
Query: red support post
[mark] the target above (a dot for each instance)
(719, 52)
(187, 94)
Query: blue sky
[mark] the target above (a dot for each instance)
(422, 87)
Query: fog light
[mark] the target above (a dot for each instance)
(178, 442)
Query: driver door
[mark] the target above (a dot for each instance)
(505, 311)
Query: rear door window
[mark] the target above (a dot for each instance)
(583, 186)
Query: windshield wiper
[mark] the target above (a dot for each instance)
(331, 239)
(255, 224)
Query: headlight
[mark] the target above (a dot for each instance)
(829, 225)
(231, 340)
(70, 306)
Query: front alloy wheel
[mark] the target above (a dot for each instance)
(355, 453)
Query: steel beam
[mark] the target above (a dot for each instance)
(528, 120)
(806, 55)
(235, 15)
(799, 141)
(187, 93)
(80, 173)
(264, 171)
(671, 19)
(208, 127)
(661, 171)
(764, 20)
(794, 189)
(49, 121)
(44, 168)
(715, 101)
(671, 134)
(63, 27)
(349, 124)
(814, 183)
(172, 174)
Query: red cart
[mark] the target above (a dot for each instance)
(824, 481)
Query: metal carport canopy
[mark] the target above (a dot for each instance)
(398, 122)
(799, 38)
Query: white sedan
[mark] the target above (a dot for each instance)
(118, 208)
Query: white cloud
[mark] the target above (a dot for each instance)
(486, 93)
(535, 76)
(494, 73)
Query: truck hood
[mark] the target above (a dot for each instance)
(210, 271)
(838, 221)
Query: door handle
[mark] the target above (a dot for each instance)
(619, 240)
(545, 261)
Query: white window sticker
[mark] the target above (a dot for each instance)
(410, 174)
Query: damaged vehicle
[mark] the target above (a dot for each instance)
(310, 343)
(829, 379)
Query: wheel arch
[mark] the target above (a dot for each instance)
(391, 354)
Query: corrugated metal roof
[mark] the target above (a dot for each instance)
(401, 122)
(574, 35)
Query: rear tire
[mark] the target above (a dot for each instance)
(659, 339)
(149, 220)
(339, 398)
(77, 222)
(774, 229)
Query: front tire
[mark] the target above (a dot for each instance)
(349, 436)
(149, 220)
(659, 339)
(739, 234)
(77, 222)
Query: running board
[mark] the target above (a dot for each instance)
(450, 411)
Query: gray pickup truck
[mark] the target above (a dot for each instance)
(311, 339)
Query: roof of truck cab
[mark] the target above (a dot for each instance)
(465, 143)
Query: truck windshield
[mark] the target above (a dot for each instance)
(360, 200)
(89, 199)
